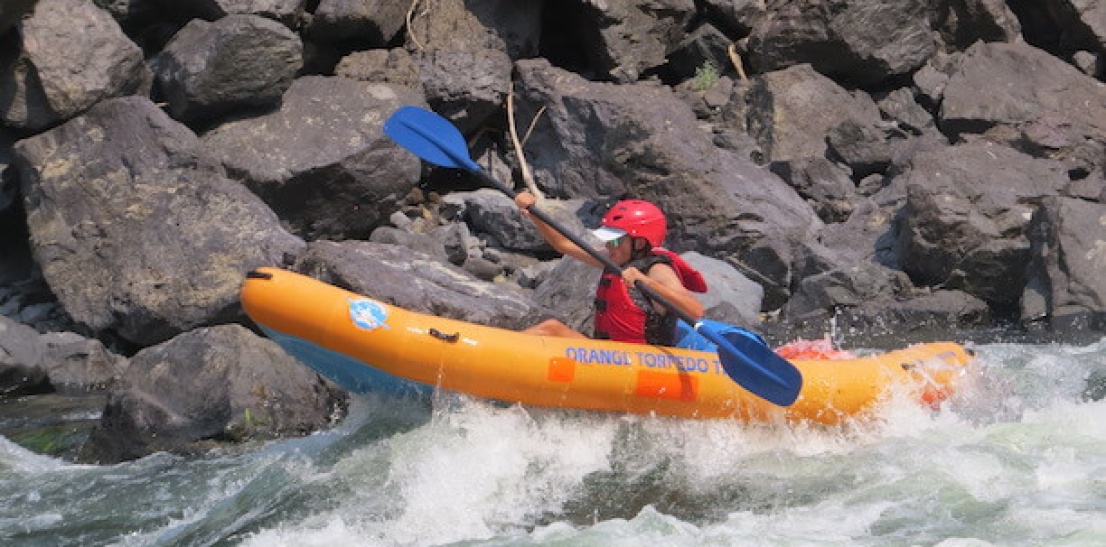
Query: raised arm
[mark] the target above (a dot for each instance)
(556, 239)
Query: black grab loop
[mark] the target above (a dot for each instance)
(445, 337)
(254, 274)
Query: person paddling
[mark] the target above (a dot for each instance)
(633, 231)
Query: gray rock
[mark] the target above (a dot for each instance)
(568, 293)
(136, 229)
(903, 108)
(235, 63)
(1066, 286)
(391, 66)
(322, 162)
(849, 287)
(458, 242)
(55, 361)
(863, 41)
(20, 358)
(210, 385)
(1027, 104)
(491, 212)
(418, 242)
(636, 37)
(825, 185)
(368, 23)
(417, 282)
(464, 50)
(921, 318)
(76, 364)
(966, 218)
(289, 12)
(788, 114)
(58, 73)
(731, 297)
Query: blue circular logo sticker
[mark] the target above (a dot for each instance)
(367, 314)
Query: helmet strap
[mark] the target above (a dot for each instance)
(640, 247)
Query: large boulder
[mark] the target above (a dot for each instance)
(633, 38)
(136, 228)
(57, 73)
(322, 162)
(731, 296)
(365, 23)
(464, 50)
(789, 117)
(236, 63)
(31, 362)
(418, 282)
(1029, 104)
(965, 223)
(1067, 286)
(210, 385)
(861, 41)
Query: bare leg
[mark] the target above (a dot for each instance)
(553, 327)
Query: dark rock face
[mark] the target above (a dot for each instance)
(325, 167)
(53, 69)
(137, 230)
(860, 41)
(235, 63)
(217, 383)
(1065, 281)
(966, 217)
(415, 281)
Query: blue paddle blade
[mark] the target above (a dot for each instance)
(430, 137)
(749, 361)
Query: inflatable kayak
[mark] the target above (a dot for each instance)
(365, 345)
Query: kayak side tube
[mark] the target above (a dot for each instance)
(370, 342)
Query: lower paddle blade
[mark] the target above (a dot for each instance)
(754, 366)
(430, 137)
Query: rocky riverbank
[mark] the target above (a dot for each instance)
(883, 171)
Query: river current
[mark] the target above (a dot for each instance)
(1016, 457)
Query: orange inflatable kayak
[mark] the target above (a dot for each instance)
(363, 344)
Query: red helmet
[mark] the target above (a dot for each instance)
(638, 218)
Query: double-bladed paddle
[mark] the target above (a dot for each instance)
(745, 358)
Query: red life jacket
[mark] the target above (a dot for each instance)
(619, 317)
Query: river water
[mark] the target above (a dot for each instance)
(1016, 457)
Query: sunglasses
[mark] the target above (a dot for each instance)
(614, 243)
